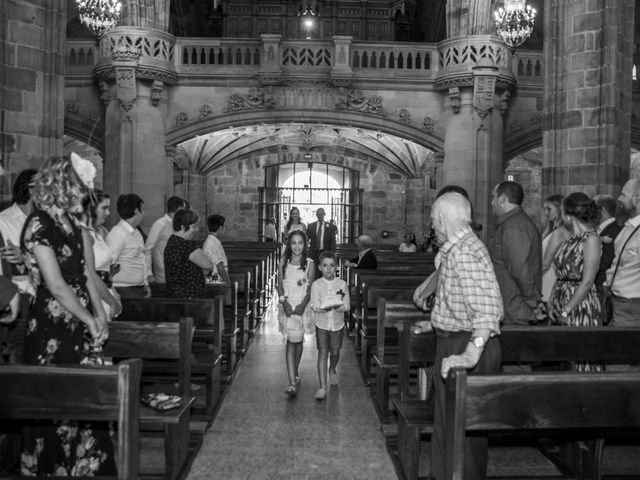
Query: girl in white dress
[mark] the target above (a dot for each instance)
(296, 273)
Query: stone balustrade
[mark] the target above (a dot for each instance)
(220, 56)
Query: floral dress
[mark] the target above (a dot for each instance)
(295, 285)
(568, 266)
(184, 278)
(55, 336)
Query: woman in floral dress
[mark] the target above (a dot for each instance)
(61, 328)
(574, 300)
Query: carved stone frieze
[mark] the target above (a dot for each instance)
(356, 100)
(404, 115)
(205, 111)
(251, 101)
(105, 92)
(455, 98)
(156, 92)
(483, 94)
(126, 90)
(181, 119)
(502, 101)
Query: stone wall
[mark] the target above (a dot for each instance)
(391, 202)
(31, 84)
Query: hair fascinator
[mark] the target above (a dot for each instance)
(84, 168)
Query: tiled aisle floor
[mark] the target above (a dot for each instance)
(260, 434)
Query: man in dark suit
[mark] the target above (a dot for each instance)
(608, 231)
(321, 236)
(366, 259)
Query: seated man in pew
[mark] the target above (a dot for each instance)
(366, 259)
(466, 319)
(215, 251)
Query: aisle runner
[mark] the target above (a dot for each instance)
(260, 434)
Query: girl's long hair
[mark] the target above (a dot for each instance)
(288, 252)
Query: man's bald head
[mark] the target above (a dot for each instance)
(453, 206)
(450, 213)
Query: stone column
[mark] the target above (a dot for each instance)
(588, 54)
(476, 82)
(31, 83)
(135, 67)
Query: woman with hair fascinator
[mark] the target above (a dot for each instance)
(66, 322)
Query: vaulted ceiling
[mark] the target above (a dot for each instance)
(206, 153)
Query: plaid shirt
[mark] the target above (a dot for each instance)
(467, 296)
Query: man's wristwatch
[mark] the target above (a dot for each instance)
(478, 342)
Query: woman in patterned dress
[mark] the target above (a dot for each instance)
(574, 300)
(184, 261)
(61, 327)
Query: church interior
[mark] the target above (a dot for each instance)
(364, 108)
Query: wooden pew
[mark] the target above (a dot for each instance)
(519, 345)
(251, 297)
(231, 331)
(84, 392)
(392, 316)
(207, 340)
(577, 405)
(398, 262)
(158, 343)
(244, 309)
(358, 294)
(373, 288)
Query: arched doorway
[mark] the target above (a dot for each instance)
(310, 186)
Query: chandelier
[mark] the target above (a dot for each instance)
(308, 16)
(99, 16)
(514, 22)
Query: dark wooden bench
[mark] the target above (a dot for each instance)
(206, 348)
(519, 346)
(165, 349)
(84, 392)
(244, 309)
(358, 294)
(394, 319)
(578, 406)
(231, 332)
(371, 290)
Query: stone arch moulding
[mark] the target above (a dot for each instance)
(522, 142)
(85, 129)
(346, 119)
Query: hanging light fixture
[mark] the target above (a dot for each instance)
(308, 16)
(514, 22)
(99, 16)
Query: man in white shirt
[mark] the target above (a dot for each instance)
(270, 234)
(214, 250)
(12, 220)
(160, 232)
(127, 246)
(625, 284)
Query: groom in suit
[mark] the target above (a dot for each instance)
(321, 236)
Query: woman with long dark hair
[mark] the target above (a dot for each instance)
(574, 300)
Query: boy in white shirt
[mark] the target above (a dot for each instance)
(329, 301)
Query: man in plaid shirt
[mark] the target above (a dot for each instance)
(466, 319)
